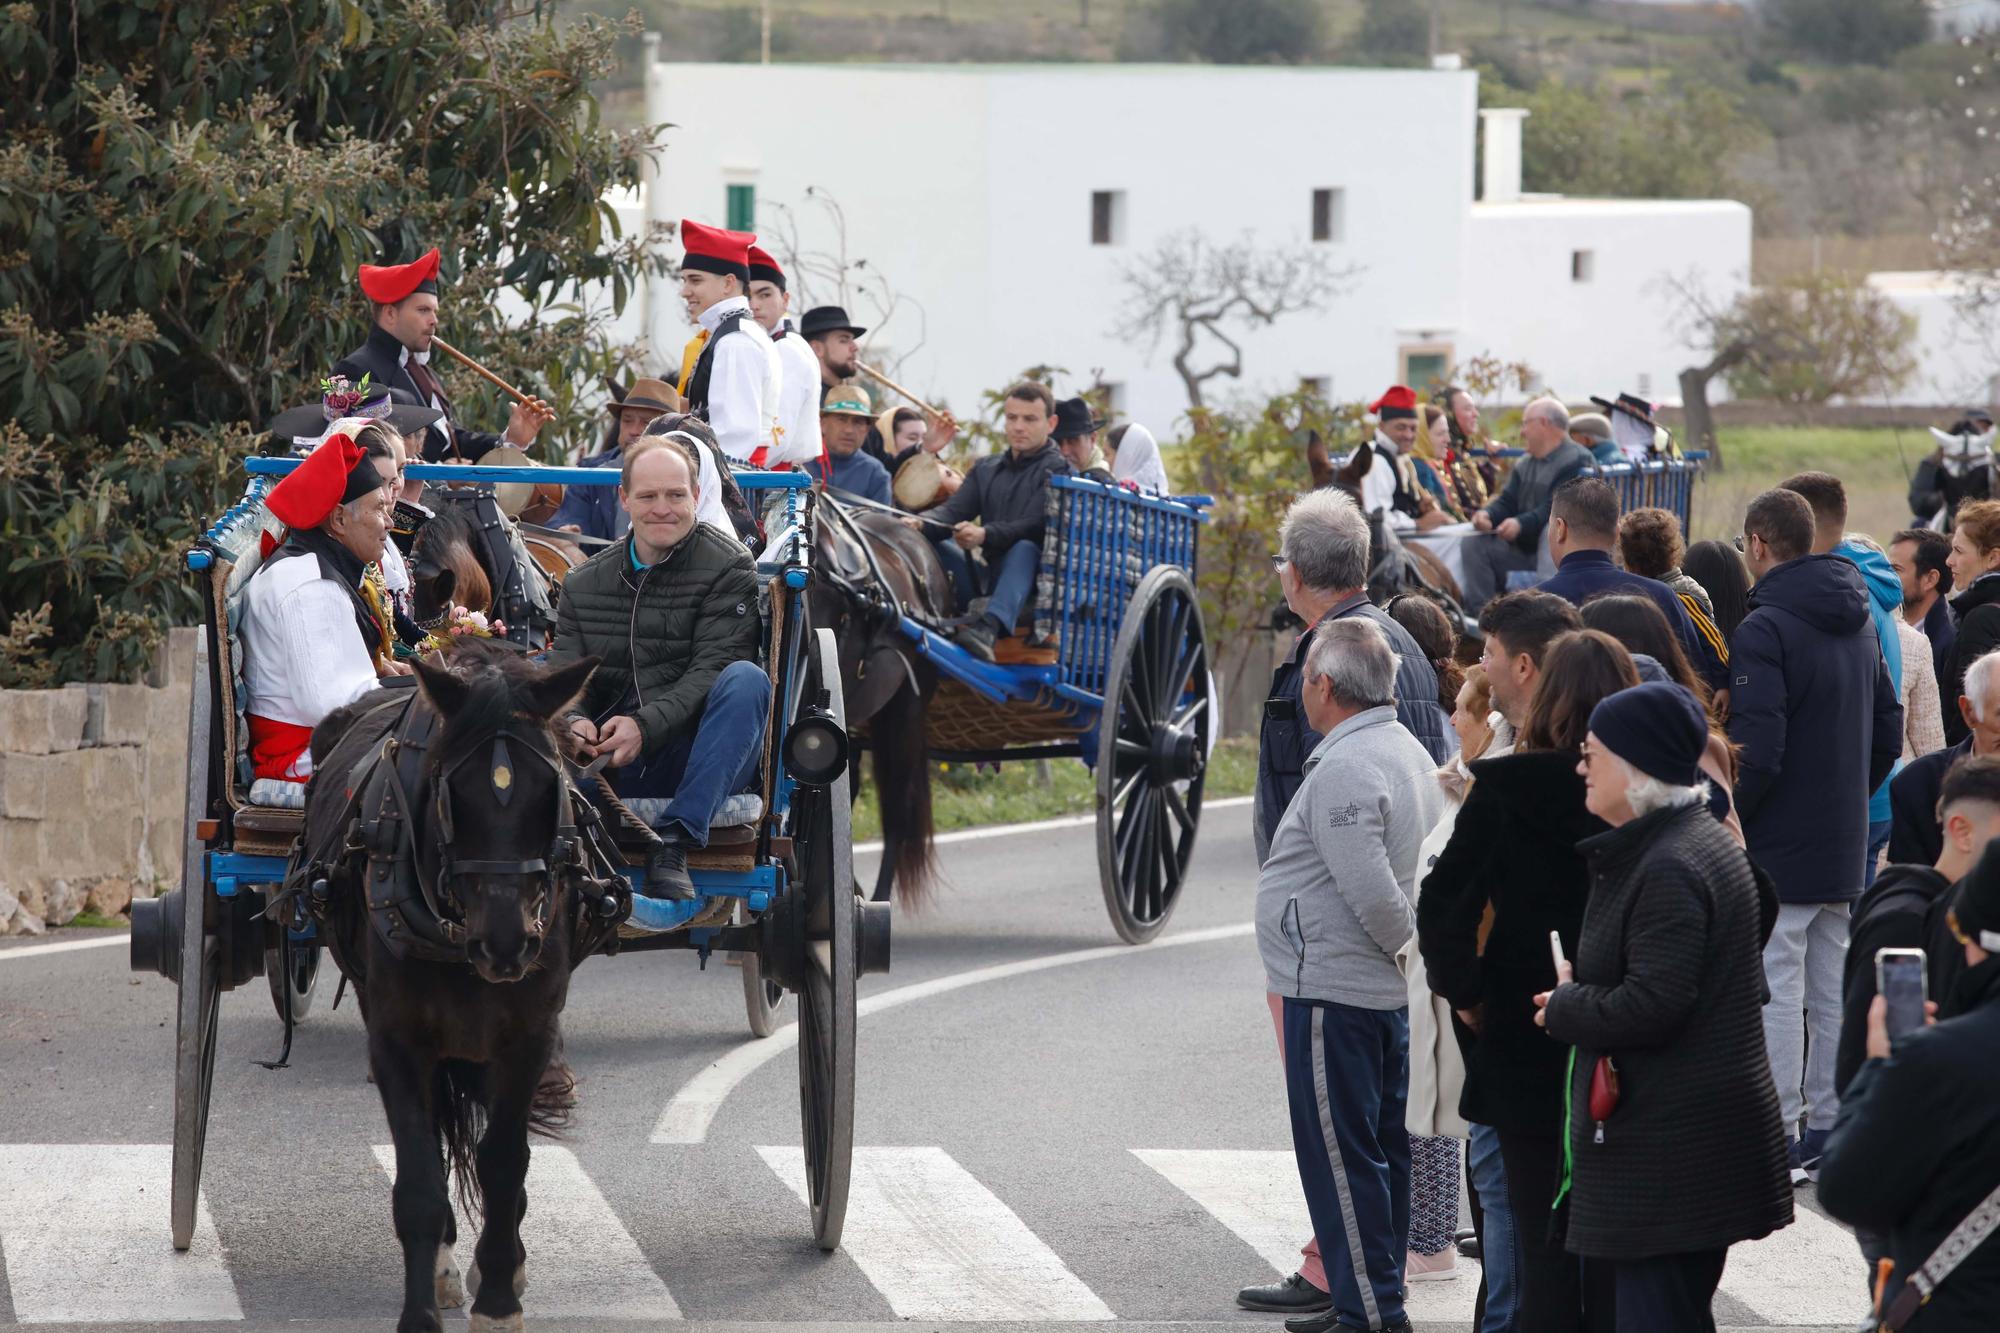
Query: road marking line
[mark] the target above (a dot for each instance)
(1809, 1273)
(1256, 1194)
(1040, 826)
(687, 1117)
(941, 1246)
(65, 946)
(582, 1262)
(83, 1229)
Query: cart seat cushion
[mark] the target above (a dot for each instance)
(746, 808)
(278, 794)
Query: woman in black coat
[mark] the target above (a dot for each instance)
(1975, 567)
(1669, 988)
(1510, 875)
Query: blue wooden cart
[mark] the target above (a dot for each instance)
(777, 895)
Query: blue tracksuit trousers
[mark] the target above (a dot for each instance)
(1347, 1075)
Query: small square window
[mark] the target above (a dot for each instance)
(1582, 265)
(1107, 217)
(1329, 219)
(742, 208)
(1645, 384)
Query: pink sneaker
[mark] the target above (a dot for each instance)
(1440, 1267)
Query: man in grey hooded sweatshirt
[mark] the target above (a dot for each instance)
(1334, 904)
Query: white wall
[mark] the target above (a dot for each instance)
(1957, 363)
(1617, 331)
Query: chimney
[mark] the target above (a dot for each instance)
(1501, 173)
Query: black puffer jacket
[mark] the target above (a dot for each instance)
(1670, 985)
(685, 618)
(1977, 611)
(1514, 846)
(1008, 495)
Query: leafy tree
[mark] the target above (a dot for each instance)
(1811, 338)
(1241, 32)
(1394, 30)
(1582, 141)
(1852, 31)
(185, 192)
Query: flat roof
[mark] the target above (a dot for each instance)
(1094, 68)
(1531, 206)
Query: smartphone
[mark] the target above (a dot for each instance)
(1556, 952)
(1902, 978)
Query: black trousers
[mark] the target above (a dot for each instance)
(1553, 1294)
(1672, 1293)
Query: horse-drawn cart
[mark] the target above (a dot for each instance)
(778, 892)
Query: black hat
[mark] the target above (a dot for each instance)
(1074, 418)
(823, 319)
(399, 409)
(1631, 404)
(1657, 728)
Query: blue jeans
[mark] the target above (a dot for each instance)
(703, 770)
(1012, 584)
(1496, 1241)
(1878, 838)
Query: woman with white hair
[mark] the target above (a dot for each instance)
(1675, 1143)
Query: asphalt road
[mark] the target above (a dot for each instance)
(1097, 1137)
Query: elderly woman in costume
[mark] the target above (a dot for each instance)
(314, 639)
(1135, 460)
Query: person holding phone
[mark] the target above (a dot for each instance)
(1915, 1150)
(1675, 1146)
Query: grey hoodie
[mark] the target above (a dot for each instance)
(1334, 901)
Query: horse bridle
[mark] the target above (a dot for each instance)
(500, 776)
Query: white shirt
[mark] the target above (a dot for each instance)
(303, 655)
(745, 383)
(1378, 488)
(798, 400)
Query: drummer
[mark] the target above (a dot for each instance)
(844, 421)
(404, 299)
(593, 511)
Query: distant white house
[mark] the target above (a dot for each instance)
(1006, 201)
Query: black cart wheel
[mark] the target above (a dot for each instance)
(292, 965)
(1152, 754)
(824, 844)
(763, 997)
(200, 975)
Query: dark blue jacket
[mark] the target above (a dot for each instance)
(594, 509)
(1818, 723)
(857, 474)
(1976, 620)
(1583, 575)
(1915, 836)
(1287, 737)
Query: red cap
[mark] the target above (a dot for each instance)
(763, 268)
(1399, 402)
(387, 284)
(329, 476)
(714, 250)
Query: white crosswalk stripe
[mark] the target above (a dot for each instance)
(939, 1245)
(1806, 1275)
(83, 1239)
(582, 1263)
(83, 1231)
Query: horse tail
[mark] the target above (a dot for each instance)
(458, 1102)
(903, 794)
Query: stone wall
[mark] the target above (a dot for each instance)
(93, 792)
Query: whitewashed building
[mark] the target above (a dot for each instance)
(1004, 204)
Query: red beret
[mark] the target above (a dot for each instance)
(387, 284)
(329, 476)
(714, 250)
(1399, 403)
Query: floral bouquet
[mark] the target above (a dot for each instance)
(339, 398)
(458, 624)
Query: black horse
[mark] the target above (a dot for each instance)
(868, 570)
(458, 898)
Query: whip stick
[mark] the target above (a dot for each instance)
(480, 371)
(888, 383)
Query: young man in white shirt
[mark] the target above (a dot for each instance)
(798, 403)
(735, 381)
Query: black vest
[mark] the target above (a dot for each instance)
(704, 365)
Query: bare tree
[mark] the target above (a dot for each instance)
(1206, 296)
(831, 275)
(1735, 337)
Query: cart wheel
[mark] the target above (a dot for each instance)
(763, 998)
(1152, 755)
(826, 1001)
(200, 973)
(293, 964)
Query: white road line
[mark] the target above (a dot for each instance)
(83, 1228)
(687, 1117)
(1809, 1273)
(582, 1263)
(941, 1246)
(1256, 1195)
(65, 946)
(1040, 826)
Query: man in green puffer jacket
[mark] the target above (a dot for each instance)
(679, 703)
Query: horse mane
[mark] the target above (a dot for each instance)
(451, 537)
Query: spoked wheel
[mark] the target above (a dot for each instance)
(200, 975)
(1152, 755)
(292, 965)
(763, 997)
(825, 848)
